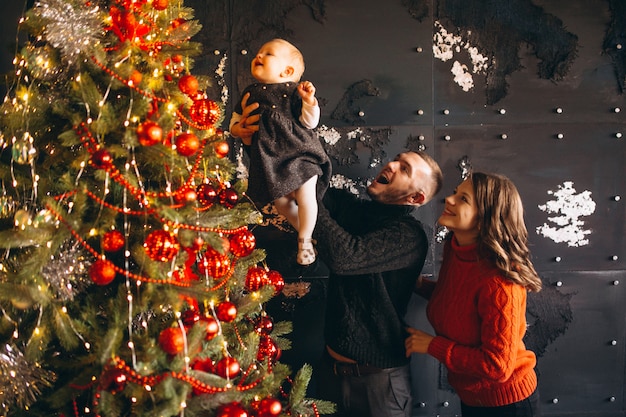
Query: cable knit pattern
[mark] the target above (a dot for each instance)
(375, 253)
(480, 319)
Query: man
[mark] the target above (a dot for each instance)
(375, 250)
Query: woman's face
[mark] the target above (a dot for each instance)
(460, 214)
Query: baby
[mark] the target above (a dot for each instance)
(288, 165)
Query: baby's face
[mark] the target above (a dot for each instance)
(271, 63)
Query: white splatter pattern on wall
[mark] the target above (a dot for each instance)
(569, 207)
(445, 45)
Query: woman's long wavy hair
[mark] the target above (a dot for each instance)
(502, 232)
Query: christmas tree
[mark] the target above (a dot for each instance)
(131, 283)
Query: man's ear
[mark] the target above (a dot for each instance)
(417, 199)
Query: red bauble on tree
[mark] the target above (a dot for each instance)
(263, 325)
(231, 410)
(207, 194)
(113, 380)
(205, 112)
(190, 317)
(149, 133)
(214, 264)
(188, 84)
(226, 311)
(276, 279)
(113, 241)
(212, 327)
(268, 349)
(159, 4)
(172, 340)
(256, 277)
(187, 144)
(267, 407)
(102, 272)
(228, 197)
(102, 159)
(161, 246)
(221, 148)
(242, 243)
(228, 367)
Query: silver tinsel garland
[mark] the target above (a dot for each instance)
(70, 26)
(21, 382)
(67, 273)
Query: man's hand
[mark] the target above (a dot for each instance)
(247, 124)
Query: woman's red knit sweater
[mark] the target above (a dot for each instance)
(480, 319)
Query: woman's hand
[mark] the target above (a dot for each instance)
(247, 124)
(417, 342)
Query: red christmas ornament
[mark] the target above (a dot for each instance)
(256, 278)
(226, 311)
(161, 246)
(268, 349)
(231, 410)
(204, 365)
(212, 327)
(135, 77)
(113, 241)
(228, 367)
(188, 84)
(187, 144)
(242, 243)
(207, 194)
(228, 197)
(159, 4)
(190, 317)
(113, 380)
(149, 133)
(277, 280)
(102, 159)
(267, 407)
(263, 325)
(172, 340)
(185, 195)
(102, 272)
(205, 112)
(214, 264)
(221, 148)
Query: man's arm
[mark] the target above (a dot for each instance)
(399, 244)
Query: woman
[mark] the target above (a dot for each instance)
(477, 307)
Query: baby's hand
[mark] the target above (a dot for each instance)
(306, 89)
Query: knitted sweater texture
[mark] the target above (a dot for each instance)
(480, 319)
(375, 253)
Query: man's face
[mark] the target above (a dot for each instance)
(405, 180)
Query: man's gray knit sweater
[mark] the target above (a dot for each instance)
(375, 253)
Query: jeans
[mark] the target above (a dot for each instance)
(528, 407)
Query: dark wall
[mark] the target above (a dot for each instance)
(547, 111)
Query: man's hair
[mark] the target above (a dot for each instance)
(297, 59)
(502, 232)
(436, 176)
